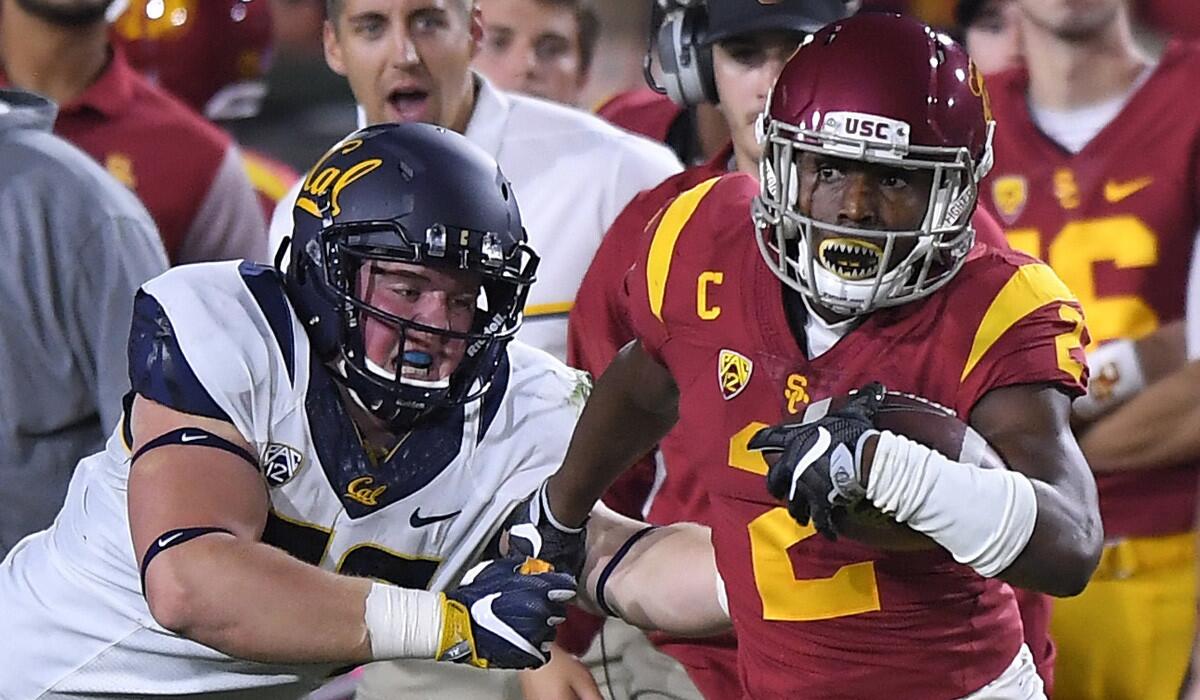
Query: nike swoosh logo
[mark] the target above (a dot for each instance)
(186, 437)
(484, 616)
(166, 541)
(529, 532)
(1116, 191)
(418, 520)
(824, 439)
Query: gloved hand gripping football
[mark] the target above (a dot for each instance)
(819, 464)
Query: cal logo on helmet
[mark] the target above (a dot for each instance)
(321, 179)
(733, 373)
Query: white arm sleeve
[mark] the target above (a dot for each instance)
(983, 517)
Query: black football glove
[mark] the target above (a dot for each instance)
(818, 467)
(504, 613)
(533, 532)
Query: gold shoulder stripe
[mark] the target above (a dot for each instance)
(264, 179)
(1030, 288)
(662, 246)
(553, 309)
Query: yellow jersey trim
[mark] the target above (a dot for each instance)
(558, 307)
(1030, 288)
(264, 179)
(662, 247)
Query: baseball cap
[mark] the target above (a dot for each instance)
(727, 18)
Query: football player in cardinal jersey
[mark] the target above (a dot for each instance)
(749, 43)
(858, 267)
(307, 461)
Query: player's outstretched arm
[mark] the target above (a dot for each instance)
(633, 405)
(197, 509)
(1029, 426)
(224, 588)
(656, 578)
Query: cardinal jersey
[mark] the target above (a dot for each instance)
(1117, 223)
(221, 340)
(837, 619)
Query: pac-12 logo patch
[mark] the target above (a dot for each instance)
(1009, 194)
(280, 464)
(733, 373)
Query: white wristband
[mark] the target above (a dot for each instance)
(1116, 376)
(983, 517)
(403, 623)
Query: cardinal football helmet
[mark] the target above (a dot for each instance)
(212, 54)
(417, 194)
(881, 89)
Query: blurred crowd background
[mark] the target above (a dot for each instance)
(306, 108)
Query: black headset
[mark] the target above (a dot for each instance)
(676, 28)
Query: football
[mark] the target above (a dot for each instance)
(932, 425)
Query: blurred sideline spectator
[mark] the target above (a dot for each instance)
(1092, 146)
(185, 170)
(542, 48)
(990, 30)
(1170, 17)
(682, 117)
(297, 25)
(214, 57)
(77, 246)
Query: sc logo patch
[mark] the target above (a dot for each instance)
(281, 464)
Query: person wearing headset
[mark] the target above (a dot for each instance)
(681, 112)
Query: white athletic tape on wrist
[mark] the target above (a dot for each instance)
(403, 623)
(983, 517)
(1116, 376)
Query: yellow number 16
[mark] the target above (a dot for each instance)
(1124, 241)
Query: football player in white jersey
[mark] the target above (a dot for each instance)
(311, 462)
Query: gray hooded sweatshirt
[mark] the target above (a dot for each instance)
(74, 247)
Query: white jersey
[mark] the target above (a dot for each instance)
(572, 174)
(221, 339)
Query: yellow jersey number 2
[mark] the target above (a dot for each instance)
(851, 590)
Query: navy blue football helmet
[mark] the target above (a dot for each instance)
(417, 194)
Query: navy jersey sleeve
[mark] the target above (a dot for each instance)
(158, 368)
